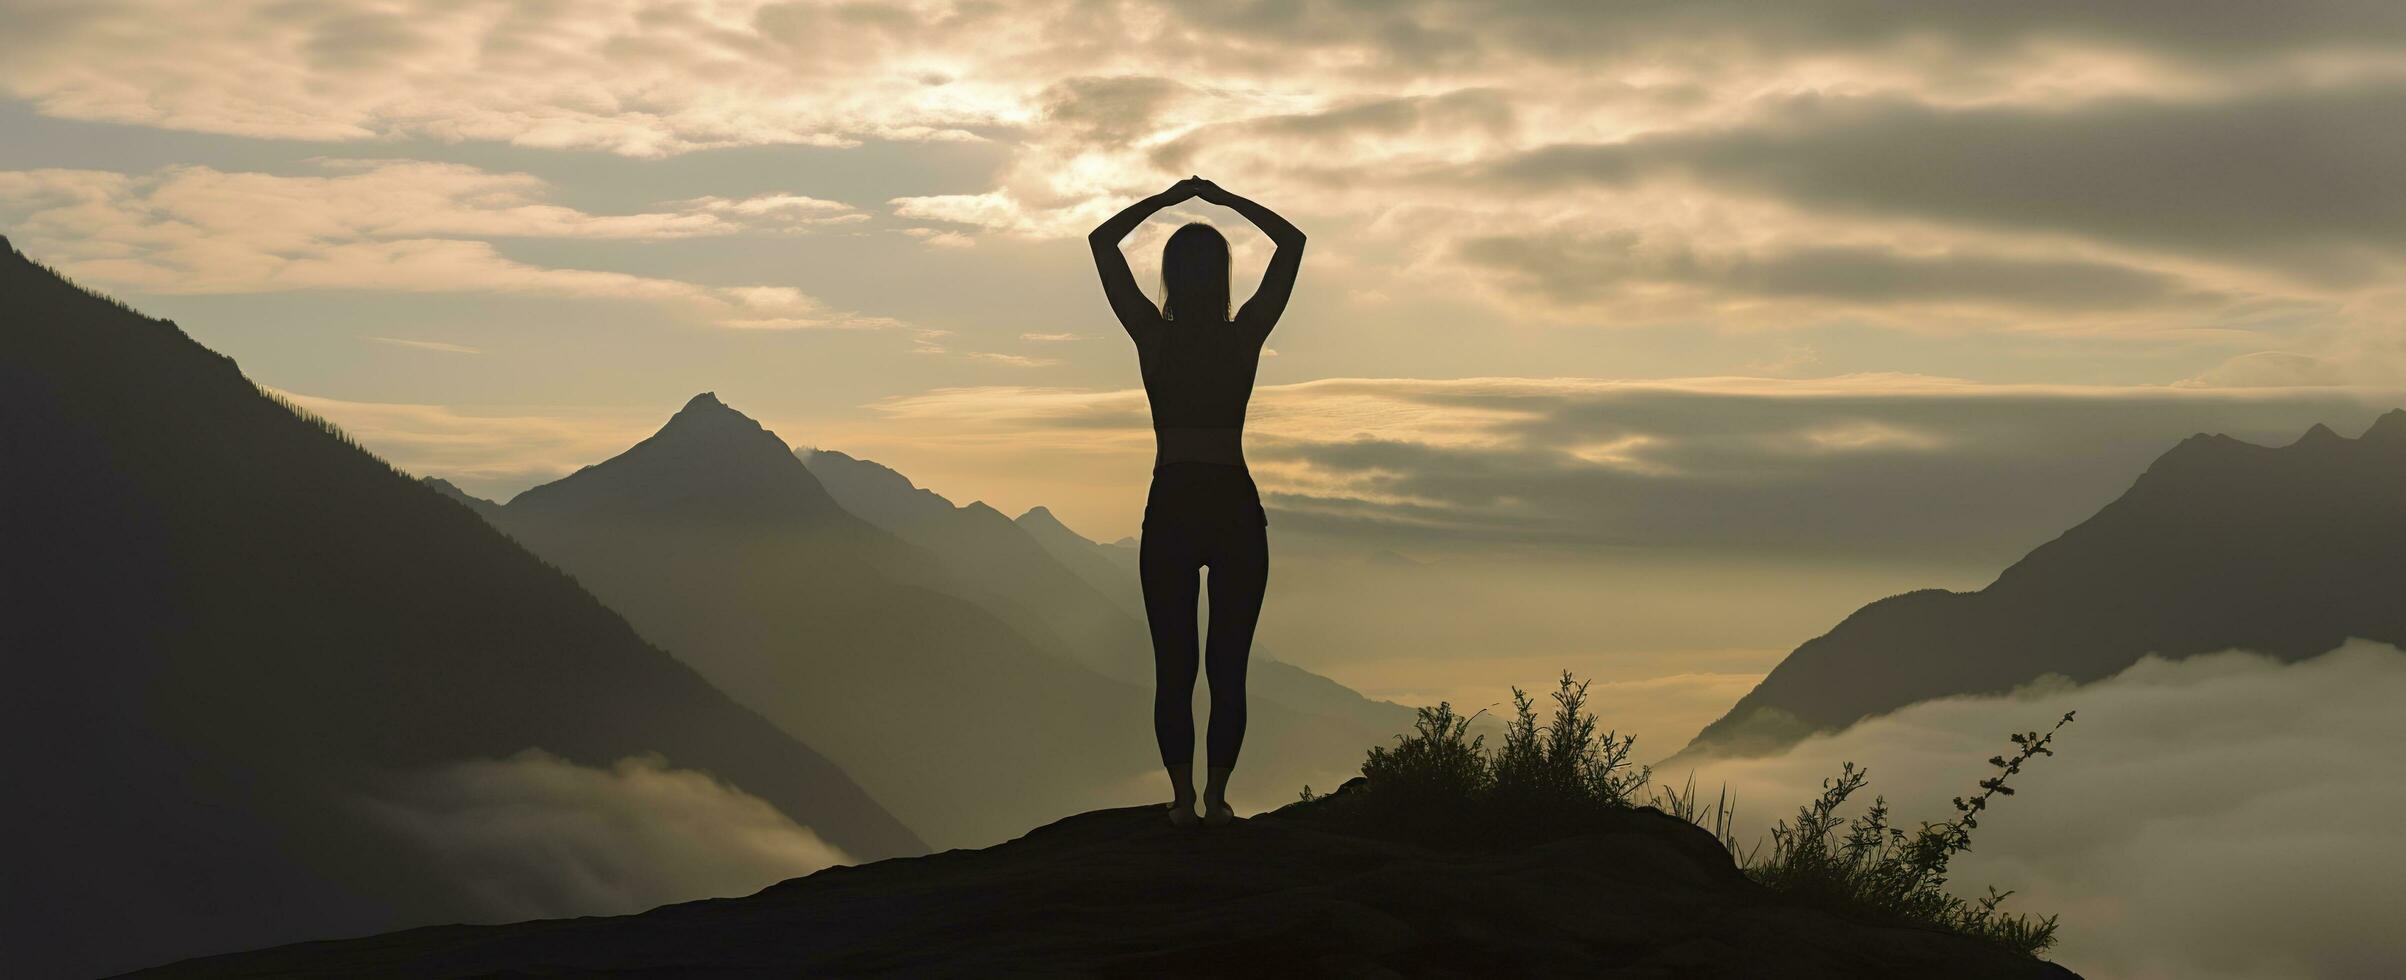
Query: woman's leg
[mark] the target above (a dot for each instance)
(1166, 567)
(1240, 574)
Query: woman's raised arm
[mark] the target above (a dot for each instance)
(1278, 281)
(1128, 302)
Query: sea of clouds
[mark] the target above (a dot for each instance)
(2223, 816)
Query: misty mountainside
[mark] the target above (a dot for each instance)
(1119, 892)
(717, 541)
(998, 565)
(2220, 544)
(236, 644)
(1094, 615)
(1110, 568)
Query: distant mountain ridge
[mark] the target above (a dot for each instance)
(226, 627)
(994, 562)
(482, 507)
(957, 662)
(2219, 544)
(1066, 589)
(1109, 568)
(710, 535)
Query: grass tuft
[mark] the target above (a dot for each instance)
(1869, 865)
(1441, 785)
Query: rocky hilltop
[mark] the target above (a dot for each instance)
(1121, 893)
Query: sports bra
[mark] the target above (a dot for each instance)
(1199, 380)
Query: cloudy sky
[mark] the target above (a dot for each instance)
(1848, 296)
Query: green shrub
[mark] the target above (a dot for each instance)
(1433, 779)
(1442, 785)
(1563, 764)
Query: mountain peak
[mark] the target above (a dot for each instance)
(1042, 522)
(2319, 435)
(709, 460)
(2389, 429)
(704, 413)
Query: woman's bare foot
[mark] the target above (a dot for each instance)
(1216, 811)
(1182, 795)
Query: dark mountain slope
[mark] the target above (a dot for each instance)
(224, 625)
(2220, 544)
(1119, 893)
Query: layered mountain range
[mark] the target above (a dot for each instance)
(942, 655)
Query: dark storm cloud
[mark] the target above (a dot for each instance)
(1479, 108)
(1573, 267)
(1420, 34)
(2213, 29)
(1437, 32)
(359, 42)
(1968, 474)
(1114, 109)
(2291, 175)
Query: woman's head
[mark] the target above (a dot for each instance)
(1194, 274)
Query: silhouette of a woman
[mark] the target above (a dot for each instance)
(1203, 511)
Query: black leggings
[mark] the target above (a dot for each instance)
(1202, 515)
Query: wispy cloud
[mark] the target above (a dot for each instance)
(536, 836)
(384, 225)
(432, 345)
(791, 211)
(488, 453)
(1013, 360)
